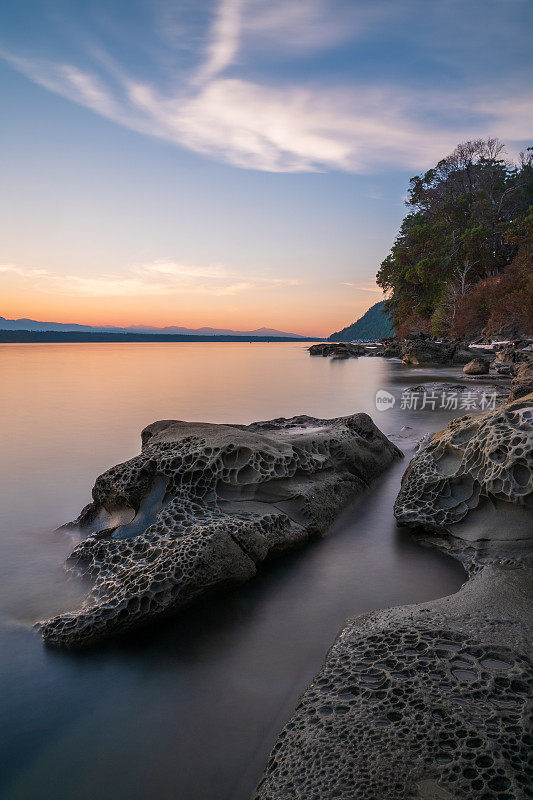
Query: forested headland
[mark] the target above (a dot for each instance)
(462, 263)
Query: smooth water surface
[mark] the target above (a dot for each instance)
(188, 709)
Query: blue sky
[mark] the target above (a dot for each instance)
(235, 163)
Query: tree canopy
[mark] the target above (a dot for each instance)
(468, 221)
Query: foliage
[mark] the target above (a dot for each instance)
(467, 223)
(374, 324)
(503, 302)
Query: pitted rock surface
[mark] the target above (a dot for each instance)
(422, 702)
(203, 505)
(434, 701)
(473, 484)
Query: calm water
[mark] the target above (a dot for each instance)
(189, 709)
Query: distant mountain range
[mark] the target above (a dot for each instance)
(373, 325)
(65, 327)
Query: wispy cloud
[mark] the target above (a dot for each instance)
(224, 40)
(156, 278)
(287, 127)
(303, 27)
(373, 288)
(24, 272)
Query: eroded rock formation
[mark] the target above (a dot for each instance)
(203, 505)
(433, 701)
(473, 482)
(425, 702)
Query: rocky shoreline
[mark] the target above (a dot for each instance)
(513, 360)
(428, 701)
(433, 701)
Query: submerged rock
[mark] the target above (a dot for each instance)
(203, 505)
(432, 701)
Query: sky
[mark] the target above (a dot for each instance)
(234, 163)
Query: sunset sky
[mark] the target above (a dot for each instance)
(236, 163)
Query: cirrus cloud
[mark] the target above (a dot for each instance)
(281, 125)
(156, 278)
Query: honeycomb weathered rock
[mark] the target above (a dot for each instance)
(474, 482)
(203, 505)
(433, 701)
(426, 702)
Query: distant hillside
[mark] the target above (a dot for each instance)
(72, 327)
(375, 324)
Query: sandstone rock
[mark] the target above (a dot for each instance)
(425, 702)
(341, 350)
(203, 505)
(500, 369)
(323, 349)
(461, 354)
(431, 701)
(472, 485)
(476, 367)
(522, 381)
(373, 350)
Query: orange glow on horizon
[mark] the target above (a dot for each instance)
(307, 310)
